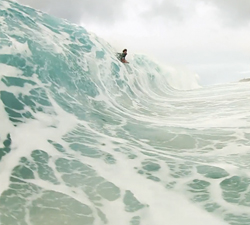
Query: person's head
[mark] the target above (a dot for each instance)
(124, 50)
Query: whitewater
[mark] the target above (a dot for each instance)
(87, 140)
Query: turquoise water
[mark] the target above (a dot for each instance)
(87, 140)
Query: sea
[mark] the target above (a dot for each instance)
(88, 140)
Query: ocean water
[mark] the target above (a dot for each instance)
(87, 140)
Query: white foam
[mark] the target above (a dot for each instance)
(163, 206)
(16, 47)
(5, 124)
(144, 120)
(10, 71)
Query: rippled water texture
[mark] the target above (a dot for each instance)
(87, 140)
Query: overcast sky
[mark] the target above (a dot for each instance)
(209, 37)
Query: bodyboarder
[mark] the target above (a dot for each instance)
(123, 55)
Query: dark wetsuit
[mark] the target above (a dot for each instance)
(123, 55)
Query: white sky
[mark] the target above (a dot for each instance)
(209, 37)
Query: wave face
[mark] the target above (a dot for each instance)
(87, 140)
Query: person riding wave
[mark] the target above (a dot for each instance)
(123, 55)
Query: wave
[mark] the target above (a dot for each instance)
(85, 139)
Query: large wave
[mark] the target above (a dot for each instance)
(85, 139)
